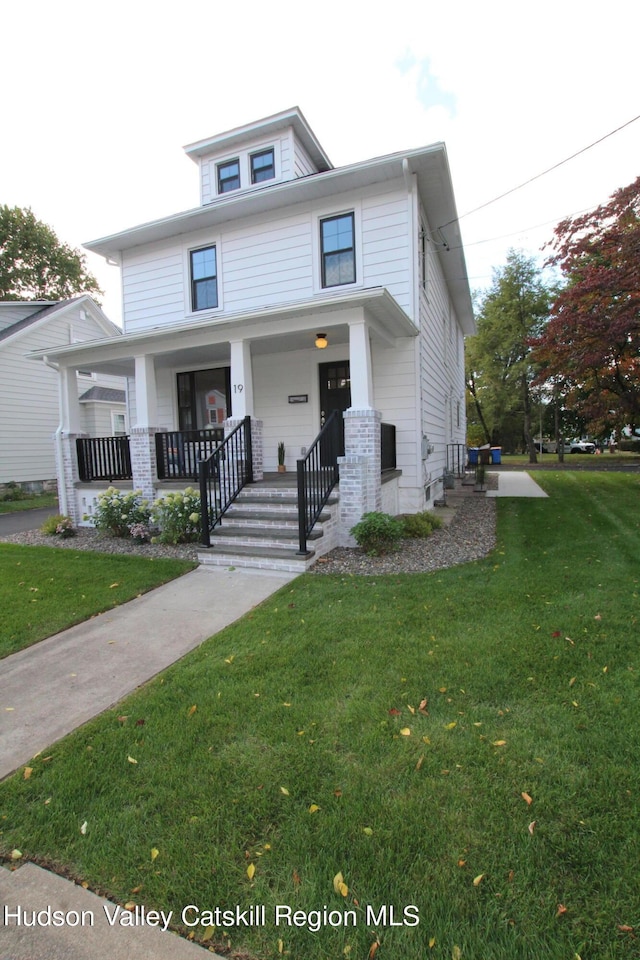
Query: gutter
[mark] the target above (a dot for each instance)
(57, 440)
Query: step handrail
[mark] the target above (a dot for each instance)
(317, 476)
(223, 475)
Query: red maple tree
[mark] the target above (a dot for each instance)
(590, 349)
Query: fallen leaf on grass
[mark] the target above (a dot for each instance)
(406, 732)
(527, 798)
(154, 853)
(251, 869)
(16, 854)
(561, 909)
(314, 808)
(625, 928)
(499, 743)
(450, 726)
(532, 827)
(280, 946)
(209, 932)
(83, 828)
(373, 949)
(131, 760)
(368, 831)
(478, 880)
(112, 586)
(423, 707)
(27, 772)
(456, 953)
(284, 791)
(192, 710)
(420, 762)
(339, 885)
(432, 942)
(394, 712)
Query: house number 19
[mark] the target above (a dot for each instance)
(238, 387)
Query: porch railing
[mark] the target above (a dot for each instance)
(103, 458)
(317, 476)
(222, 476)
(179, 453)
(456, 459)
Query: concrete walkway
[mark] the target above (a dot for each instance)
(516, 483)
(51, 688)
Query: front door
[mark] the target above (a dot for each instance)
(335, 392)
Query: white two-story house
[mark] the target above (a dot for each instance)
(295, 289)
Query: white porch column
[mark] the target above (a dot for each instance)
(241, 379)
(361, 367)
(142, 435)
(70, 430)
(242, 401)
(146, 395)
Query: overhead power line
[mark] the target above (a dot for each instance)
(538, 175)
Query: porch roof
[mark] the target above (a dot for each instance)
(269, 330)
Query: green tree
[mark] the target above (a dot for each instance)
(500, 369)
(35, 264)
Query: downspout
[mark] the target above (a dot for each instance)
(57, 440)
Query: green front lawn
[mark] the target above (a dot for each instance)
(45, 589)
(464, 742)
(30, 502)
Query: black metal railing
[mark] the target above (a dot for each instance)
(456, 459)
(179, 453)
(317, 475)
(103, 458)
(223, 475)
(387, 446)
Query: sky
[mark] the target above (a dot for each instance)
(99, 100)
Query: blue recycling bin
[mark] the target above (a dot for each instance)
(496, 454)
(472, 453)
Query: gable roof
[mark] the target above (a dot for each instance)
(45, 310)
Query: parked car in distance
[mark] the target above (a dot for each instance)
(545, 445)
(579, 446)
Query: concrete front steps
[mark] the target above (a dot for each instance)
(260, 530)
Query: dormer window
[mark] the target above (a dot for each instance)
(228, 176)
(262, 166)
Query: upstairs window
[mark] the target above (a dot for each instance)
(337, 246)
(262, 166)
(229, 176)
(204, 279)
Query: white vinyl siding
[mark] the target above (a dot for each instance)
(29, 414)
(266, 261)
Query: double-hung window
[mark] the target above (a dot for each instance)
(204, 279)
(337, 250)
(262, 166)
(229, 176)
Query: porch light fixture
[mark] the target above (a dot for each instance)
(321, 341)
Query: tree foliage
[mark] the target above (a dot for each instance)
(500, 369)
(35, 264)
(591, 346)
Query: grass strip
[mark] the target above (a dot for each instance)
(462, 741)
(44, 589)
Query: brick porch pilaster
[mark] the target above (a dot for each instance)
(360, 483)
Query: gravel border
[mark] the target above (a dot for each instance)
(469, 536)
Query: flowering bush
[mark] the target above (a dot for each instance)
(58, 525)
(178, 517)
(140, 532)
(118, 512)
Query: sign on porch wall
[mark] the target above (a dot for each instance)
(298, 398)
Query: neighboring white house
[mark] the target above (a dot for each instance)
(29, 394)
(224, 306)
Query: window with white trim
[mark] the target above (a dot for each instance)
(204, 278)
(338, 250)
(262, 166)
(229, 176)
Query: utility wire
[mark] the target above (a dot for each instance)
(537, 177)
